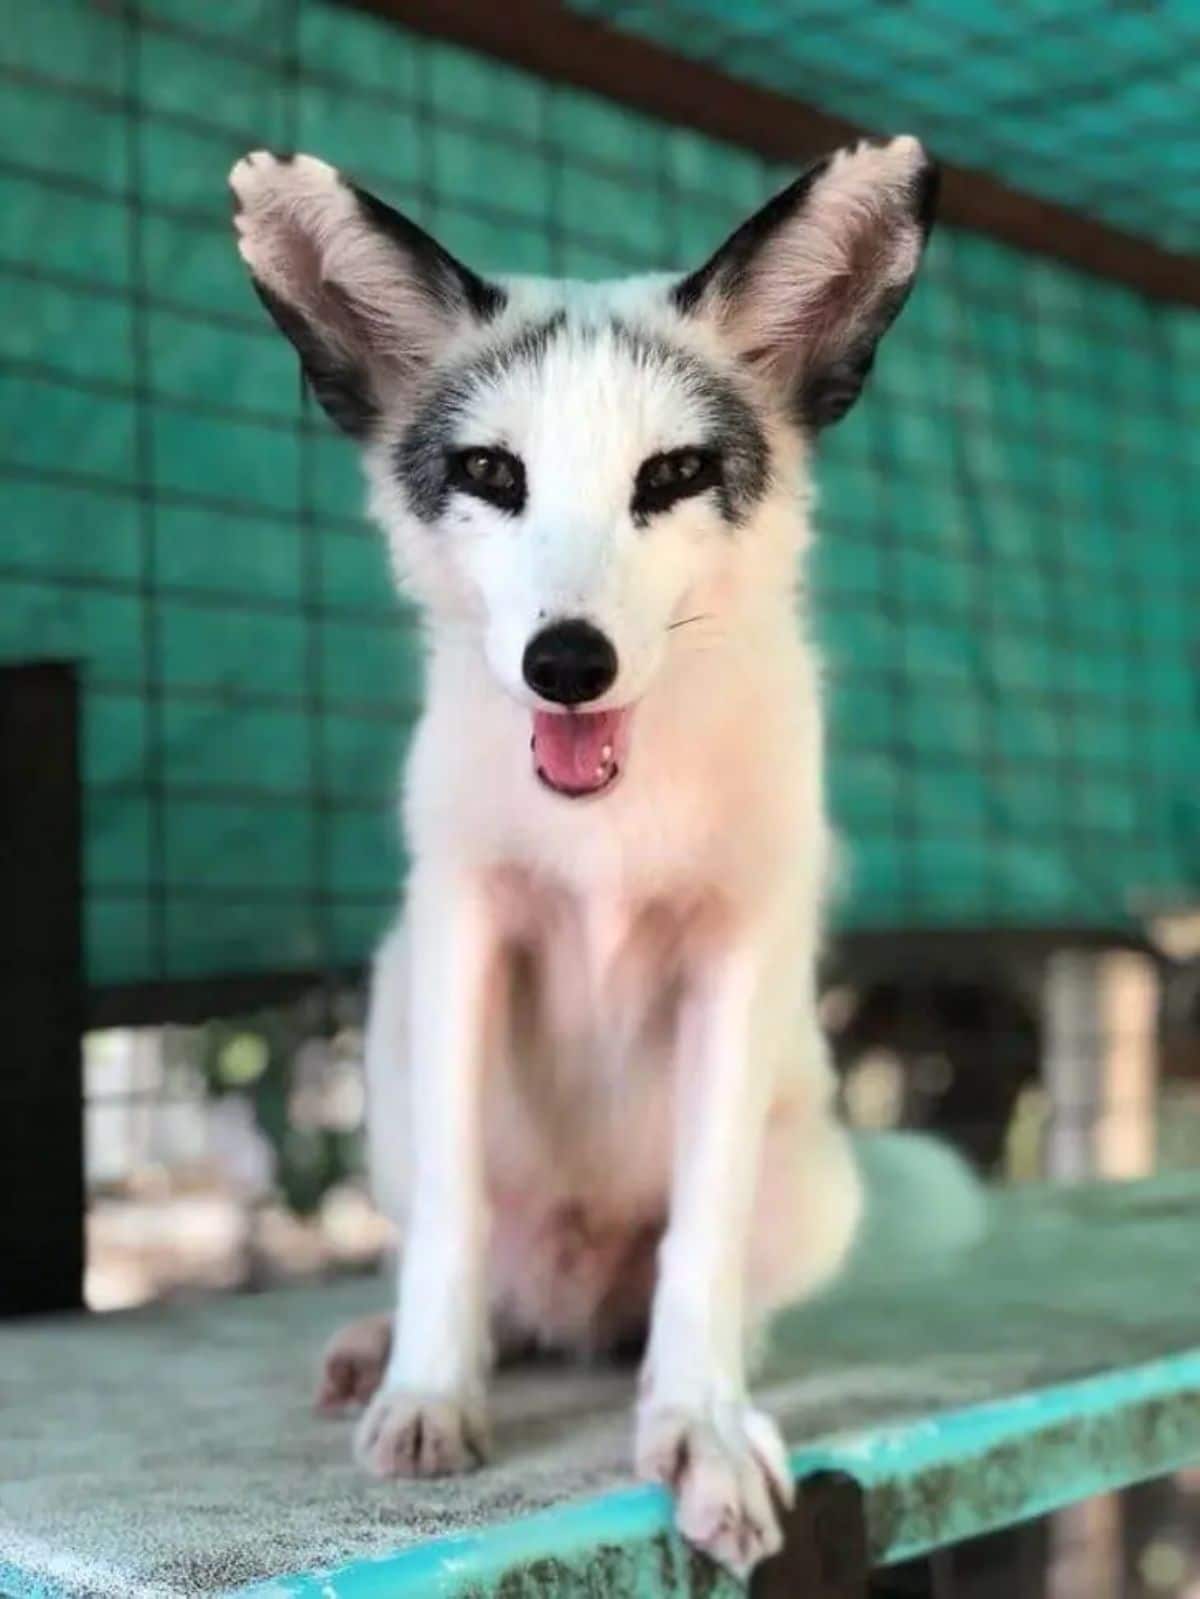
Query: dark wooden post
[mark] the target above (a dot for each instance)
(825, 1544)
(42, 998)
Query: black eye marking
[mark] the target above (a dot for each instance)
(494, 475)
(663, 480)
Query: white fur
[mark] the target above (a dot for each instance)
(595, 1023)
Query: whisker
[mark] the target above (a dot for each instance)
(700, 616)
(703, 641)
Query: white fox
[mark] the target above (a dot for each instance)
(600, 1103)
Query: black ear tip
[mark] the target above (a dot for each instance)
(829, 394)
(928, 186)
(268, 156)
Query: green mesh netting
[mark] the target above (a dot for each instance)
(1092, 103)
(1008, 573)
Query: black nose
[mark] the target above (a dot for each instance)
(570, 663)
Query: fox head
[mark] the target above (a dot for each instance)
(568, 472)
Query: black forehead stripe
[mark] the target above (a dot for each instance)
(733, 426)
(525, 348)
(420, 456)
(735, 429)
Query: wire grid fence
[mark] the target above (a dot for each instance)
(1090, 103)
(1006, 583)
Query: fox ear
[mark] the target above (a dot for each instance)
(366, 296)
(807, 287)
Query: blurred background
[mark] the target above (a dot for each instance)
(205, 680)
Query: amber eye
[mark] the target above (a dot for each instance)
(490, 468)
(674, 475)
(494, 475)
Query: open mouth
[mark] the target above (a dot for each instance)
(579, 753)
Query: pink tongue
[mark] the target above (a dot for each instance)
(579, 751)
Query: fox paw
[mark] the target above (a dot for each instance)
(353, 1364)
(728, 1470)
(406, 1434)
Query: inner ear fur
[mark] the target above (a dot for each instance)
(366, 296)
(806, 288)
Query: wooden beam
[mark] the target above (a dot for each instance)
(825, 1553)
(41, 992)
(546, 38)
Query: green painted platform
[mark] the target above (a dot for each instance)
(172, 1453)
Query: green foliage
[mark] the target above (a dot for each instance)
(256, 1056)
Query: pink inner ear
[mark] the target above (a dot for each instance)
(831, 301)
(318, 296)
(362, 281)
(827, 278)
(840, 302)
(299, 262)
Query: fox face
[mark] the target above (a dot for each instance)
(567, 472)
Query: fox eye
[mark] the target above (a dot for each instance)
(494, 475)
(674, 475)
